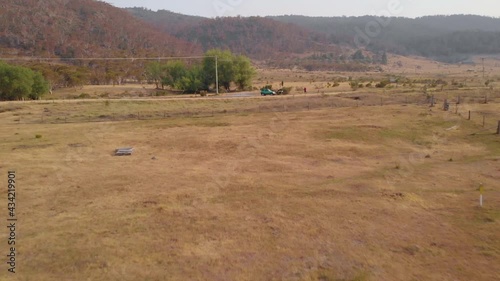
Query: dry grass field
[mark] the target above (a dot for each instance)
(352, 193)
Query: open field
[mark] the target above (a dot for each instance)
(345, 190)
(335, 184)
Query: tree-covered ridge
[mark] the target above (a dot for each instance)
(164, 20)
(449, 38)
(257, 37)
(81, 28)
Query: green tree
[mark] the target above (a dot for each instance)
(225, 67)
(384, 58)
(358, 56)
(172, 72)
(18, 83)
(40, 86)
(192, 81)
(154, 73)
(244, 72)
(231, 68)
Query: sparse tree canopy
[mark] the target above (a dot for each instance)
(384, 58)
(358, 56)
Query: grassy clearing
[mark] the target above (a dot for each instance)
(355, 193)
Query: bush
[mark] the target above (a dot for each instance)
(38, 136)
(83, 96)
(354, 85)
(382, 84)
(286, 90)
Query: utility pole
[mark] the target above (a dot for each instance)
(483, 66)
(216, 76)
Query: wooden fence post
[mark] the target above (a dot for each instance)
(498, 129)
(469, 115)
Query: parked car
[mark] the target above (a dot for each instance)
(267, 92)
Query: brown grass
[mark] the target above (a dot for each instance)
(357, 193)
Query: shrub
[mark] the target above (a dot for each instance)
(38, 136)
(382, 84)
(286, 90)
(83, 96)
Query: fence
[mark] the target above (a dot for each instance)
(489, 119)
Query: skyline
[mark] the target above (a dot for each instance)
(325, 8)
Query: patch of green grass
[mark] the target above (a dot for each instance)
(211, 124)
(329, 275)
(352, 133)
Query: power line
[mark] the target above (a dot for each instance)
(90, 59)
(122, 59)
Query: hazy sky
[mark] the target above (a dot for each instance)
(406, 8)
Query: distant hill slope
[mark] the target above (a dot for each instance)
(447, 38)
(81, 28)
(166, 21)
(257, 37)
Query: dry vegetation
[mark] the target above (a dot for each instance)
(344, 192)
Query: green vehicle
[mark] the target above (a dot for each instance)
(267, 92)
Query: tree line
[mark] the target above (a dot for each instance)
(445, 38)
(195, 77)
(33, 80)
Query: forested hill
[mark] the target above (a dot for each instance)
(257, 37)
(448, 38)
(164, 20)
(80, 28)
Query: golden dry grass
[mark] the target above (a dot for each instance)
(357, 193)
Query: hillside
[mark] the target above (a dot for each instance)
(259, 38)
(446, 38)
(164, 20)
(80, 28)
